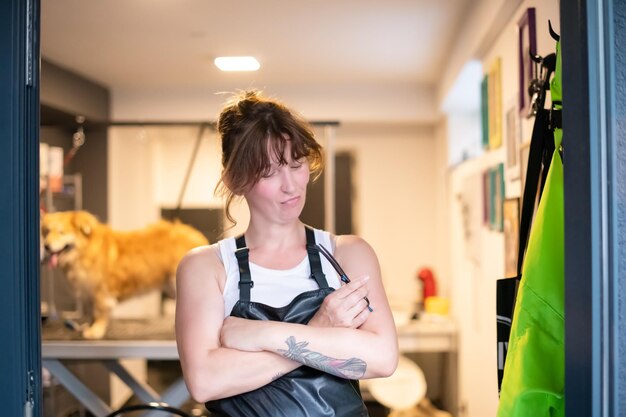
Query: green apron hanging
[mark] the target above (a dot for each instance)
(534, 372)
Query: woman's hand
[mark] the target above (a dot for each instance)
(241, 334)
(345, 307)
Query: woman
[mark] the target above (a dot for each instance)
(263, 323)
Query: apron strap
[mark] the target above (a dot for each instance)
(245, 279)
(314, 258)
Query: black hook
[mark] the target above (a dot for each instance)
(544, 67)
(535, 58)
(554, 35)
(549, 63)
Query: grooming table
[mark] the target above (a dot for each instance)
(151, 339)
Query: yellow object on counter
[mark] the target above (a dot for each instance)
(437, 305)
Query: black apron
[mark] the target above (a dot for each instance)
(305, 391)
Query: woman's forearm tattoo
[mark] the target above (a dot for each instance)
(353, 368)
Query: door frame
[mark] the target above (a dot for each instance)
(590, 198)
(20, 350)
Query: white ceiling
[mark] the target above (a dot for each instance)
(145, 44)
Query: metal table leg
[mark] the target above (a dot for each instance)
(142, 390)
(83, 394)
(177, 394)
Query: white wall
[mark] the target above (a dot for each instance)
(147, 169)
(131, 189)
(395, 199)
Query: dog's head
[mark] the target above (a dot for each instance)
(64, 234)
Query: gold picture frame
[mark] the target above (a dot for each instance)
(495, 104)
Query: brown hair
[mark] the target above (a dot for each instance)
(249, 126)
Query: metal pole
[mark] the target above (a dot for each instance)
(329, 179)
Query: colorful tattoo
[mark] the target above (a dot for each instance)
(353, 368)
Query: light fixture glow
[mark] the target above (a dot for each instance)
(237, 63)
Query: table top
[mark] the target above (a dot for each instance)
(150, 338)
(156, 328)
(154, 339)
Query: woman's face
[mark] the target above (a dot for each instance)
(279, 196)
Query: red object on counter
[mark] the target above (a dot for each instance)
(429, 286)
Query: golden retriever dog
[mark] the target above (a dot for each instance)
(110, 266)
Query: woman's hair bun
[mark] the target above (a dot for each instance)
(250, 125)
(251, 104)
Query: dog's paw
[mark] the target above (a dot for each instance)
(94, 332)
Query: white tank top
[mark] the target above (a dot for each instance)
(274, 287)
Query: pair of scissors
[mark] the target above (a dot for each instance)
(339, 269)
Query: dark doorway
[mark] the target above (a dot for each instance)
(314, 211)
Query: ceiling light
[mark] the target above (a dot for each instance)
(237, 63)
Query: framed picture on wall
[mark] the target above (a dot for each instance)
(527, 47)
(497, 197)
(487, 197)
(513, 139)
(495, 105)
(484, 111)
(510, 211)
